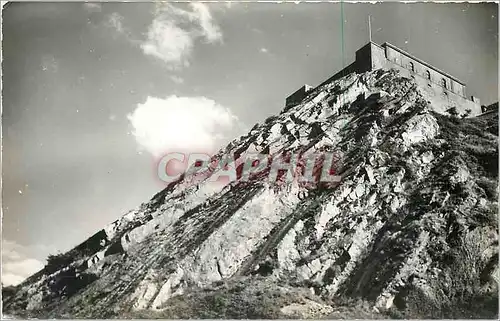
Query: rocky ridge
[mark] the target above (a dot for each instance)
(412, 224)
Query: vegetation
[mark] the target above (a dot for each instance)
(7, 291)
(247, 298)
(58, 261)
(458, 293)
(467, 113)
(452, 111)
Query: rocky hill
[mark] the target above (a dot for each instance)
(409, 231)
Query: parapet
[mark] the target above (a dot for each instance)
(446, 90)
(297, 96)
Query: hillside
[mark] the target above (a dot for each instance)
(409, 231)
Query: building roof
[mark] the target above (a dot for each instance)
(386, 44)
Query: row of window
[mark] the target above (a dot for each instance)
(428, 76)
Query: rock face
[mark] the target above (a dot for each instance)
(411, 225)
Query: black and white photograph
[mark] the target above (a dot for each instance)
(249, 160)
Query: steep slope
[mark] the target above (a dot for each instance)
(412, 222)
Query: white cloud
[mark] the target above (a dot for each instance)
(181, 124)
(92, 6)
(115, 20)
(209, 29)
(16, 265)
(177, 79)
(263, 50)
(173, 32)
(169, 43)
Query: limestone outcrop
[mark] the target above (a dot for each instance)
(412, 223)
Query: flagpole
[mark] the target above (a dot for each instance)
(370, 28)
(342, 30)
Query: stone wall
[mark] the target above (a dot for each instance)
(441, 89)
(441, 100)
(402, 59)
(371, 57)
(353, 67)
(297, 96)
(93, 244)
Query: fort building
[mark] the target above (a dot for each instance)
(441, 88)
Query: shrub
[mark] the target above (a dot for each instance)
(457, 292)
(58, 261)
(489, 186)
(7, 291)
(452, 111)
(467, 113)
(252, 298)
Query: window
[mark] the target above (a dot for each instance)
(443, 83)
(428, 74)
(412, 66)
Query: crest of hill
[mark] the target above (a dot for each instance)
(410, 231)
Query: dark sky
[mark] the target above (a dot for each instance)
(92, 93)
